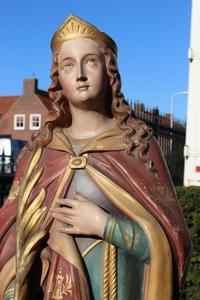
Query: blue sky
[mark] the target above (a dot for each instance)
(152, 37)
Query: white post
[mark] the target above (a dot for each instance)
(192, 146)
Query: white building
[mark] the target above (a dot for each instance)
(192, 146)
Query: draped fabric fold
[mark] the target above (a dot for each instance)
(130, 186)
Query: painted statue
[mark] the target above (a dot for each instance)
(92, 213)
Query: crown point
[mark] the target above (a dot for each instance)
(74, 27)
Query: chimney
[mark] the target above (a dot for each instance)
(30, 86)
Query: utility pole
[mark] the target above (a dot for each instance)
(192, 146)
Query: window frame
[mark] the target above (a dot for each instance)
(31, 127)
(15, 121)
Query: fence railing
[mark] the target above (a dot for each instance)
(7, 163)
(7, 171)
(171, 139)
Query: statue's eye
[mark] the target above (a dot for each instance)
(92, 60)
(68, 66)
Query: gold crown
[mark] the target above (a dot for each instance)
(74, 28)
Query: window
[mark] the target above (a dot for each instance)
(35, 121)
(19, 122)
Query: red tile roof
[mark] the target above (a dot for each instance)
(6, 102)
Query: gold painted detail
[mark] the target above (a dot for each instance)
(78, 162)
(110, 272)
(89, 248)
(159, 284)
(62, 287)
(131, 240)
(74, 27)
(7, 274)
(14, 192)
(161, 194)
(105, 292)
(29, 220)
(113, 273)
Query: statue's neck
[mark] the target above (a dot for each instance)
(88, 123)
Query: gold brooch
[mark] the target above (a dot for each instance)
(78, 162)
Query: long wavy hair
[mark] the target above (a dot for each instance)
(136, 132)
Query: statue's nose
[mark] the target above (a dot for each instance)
(81, 74)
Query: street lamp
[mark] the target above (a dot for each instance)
(172, 104)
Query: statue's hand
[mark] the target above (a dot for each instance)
(81, 216)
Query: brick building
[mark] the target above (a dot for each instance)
(21, 115)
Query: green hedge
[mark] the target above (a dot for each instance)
(189, 198)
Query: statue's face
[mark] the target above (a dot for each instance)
(82, 72)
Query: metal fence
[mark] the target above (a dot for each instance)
(170, 138)
(7, 171)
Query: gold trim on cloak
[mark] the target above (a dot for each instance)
(159, 283)
(109, 140)
(28, 224)
(89, 248)
(7, 274)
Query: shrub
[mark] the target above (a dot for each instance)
(189, 198)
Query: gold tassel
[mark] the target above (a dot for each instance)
(105, 293)
(113, 273)
(110, 273)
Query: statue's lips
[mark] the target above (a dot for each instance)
(83, 88)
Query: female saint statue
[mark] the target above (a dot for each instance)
(92, 213)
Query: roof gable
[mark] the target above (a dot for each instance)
(5, 103)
